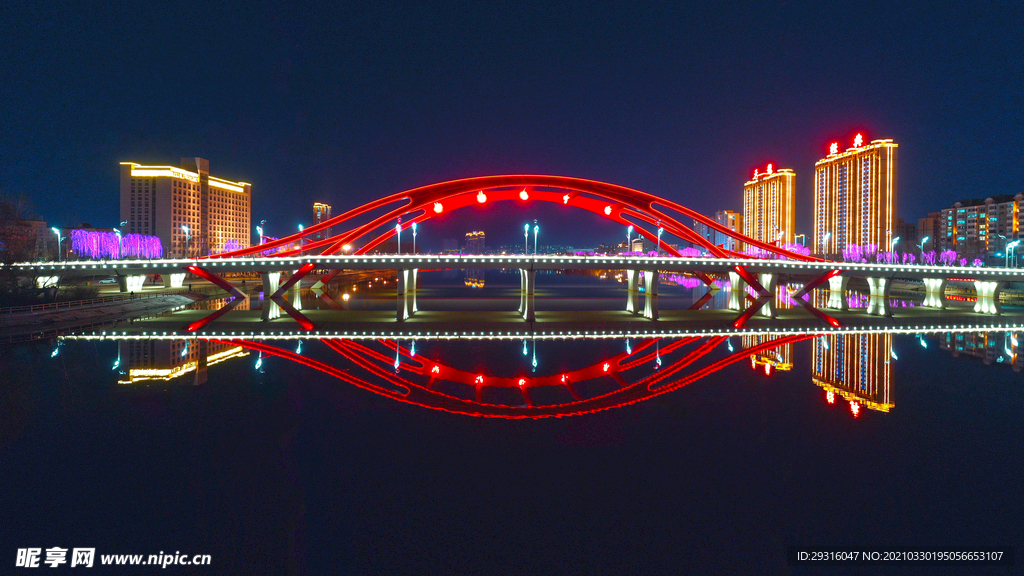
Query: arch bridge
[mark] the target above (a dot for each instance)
(651, 216)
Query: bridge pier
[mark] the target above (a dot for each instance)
(837, 293)
(131, 283)
(176, 280)
(770, 283)
(878, 302)
(407, 293)
(651, 278)
(988, 297)
(527, 287)
(736, 283)
(271, 282)
(935, 292)
(633, 291)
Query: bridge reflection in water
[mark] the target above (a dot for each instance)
(854, 368)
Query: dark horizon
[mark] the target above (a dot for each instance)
(347, 103)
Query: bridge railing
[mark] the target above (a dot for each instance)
(79, 303)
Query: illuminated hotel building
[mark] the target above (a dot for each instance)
(854, 367)
(475, 242)
(321, 212)
(159, 200)
(769, 203)
(855, 196)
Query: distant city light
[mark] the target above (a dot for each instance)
(438, 207)
(481, 197)
(523, 195)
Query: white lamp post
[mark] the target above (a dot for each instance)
(59, 240)
(660, 230)
(398, 233)
(629, 239)
(414, 238)
(526, 239)
(188, 236)
(536, 231)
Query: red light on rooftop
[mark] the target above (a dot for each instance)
(770, 169)
(833, 148)
(830, 396)
(858, 140)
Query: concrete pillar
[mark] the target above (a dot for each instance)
(413, 290)
(271, 282)
(633, 291)
(736, 283)
(878, 303)
(935, 292)
(651, 278)
(406, 293)
(176, 280)
(737, 300)
(988, 297)
(770, 283)
(131, 283)
(529, 311)
(837, 292)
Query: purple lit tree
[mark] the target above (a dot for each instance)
(232, 245)
(947, 257)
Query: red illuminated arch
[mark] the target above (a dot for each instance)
(417, 389)
(607, 200)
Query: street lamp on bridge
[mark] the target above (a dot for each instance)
(526, 239)
(921, 246)
(536, 231)
(824, 242)
(629, 239)
(188, 236)
(1009, 247)
(398, 233)
(59, 240)
(660, 230)
(414, 238)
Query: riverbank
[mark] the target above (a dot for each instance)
(38, 323)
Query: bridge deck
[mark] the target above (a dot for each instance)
(508, 324)
(539, 262)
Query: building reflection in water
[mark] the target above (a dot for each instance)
(990, 347)
(778, 358)
(855, 367)
(145, 360)
(474, 278)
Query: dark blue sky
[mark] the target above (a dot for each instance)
(345, 103)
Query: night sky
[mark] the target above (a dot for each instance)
(345, 103)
